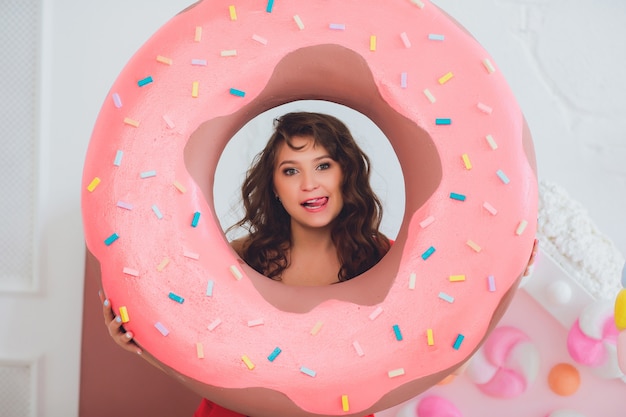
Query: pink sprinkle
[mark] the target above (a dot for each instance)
(491, 209)
(484, 108)
(130, 271)
(427, 222)
(358, 348)
(191, 255)
(376, 313)
(117, 101)
(169, 121)
(405, 40)
(259, 39)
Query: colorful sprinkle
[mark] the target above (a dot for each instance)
(458, 341)
(484, 108)
(443, 121)
(430, 338)
(412, 280)
(197, 37)
(191, 255)
(395, 372)
(233, 12)
(492, 142)
(259, 39)
(124, 314)
(429, 95)
(405, 40)
(161, 328)
(131, 122)
(144, 81)
(491, 209)
(458, 197)
(179, 187)
(337, 26)
(161, 266)
(427, 222)
(274, 354)
(176, 298)
(428, 252)
(474, 246)
(93, 184)
(199, 62)
(357, 347)
(237, 93)
(372, 42)
(164, 60)
(195, 219)
(214, 324)
(316, 329)
(209, 288)
(235, 272)
(195, 86)
(117, 101)
(403, 80)
(435, 37)
(299, 22)
(270, 5)
(466, 161)
(109, 240)
(446, 297)
(147, 174)
(247, 361)
(491, 283)
(418, 3)
(503, 176)
(118, 158)
(376, 313)
(307, 371)
(170, 124)
(345, 404)
(397, 332)
(445, 78)
(130, 271)
(488, 66)
(256, 322)
(157, 212)
(199, 350)
(124, 205)
(456, 278)
(521, 227)
(228, 52)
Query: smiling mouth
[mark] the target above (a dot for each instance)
(315, 203)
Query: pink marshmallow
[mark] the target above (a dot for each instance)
(434, 406)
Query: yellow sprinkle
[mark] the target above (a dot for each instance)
(163, 264)
(446, 78)
(521, 227)
(467, 162)
(180, 187)
(131, 122)
(164, 60)
(194, 89)
(316, 329)
(299, 22)
(233, 12)
(457, 278)
(248, 362)
(620, 310)
(345, 405)
(373, 43)
(429, 96)
(488, 65)
(473, 245)
(198, 35)
(429, 337)
(124, 314)
(228, 52)
(492, 142)
(395, 372)
(199, 350)
(236, 273)
(93, 184)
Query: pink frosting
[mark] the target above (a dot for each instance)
(435, 406)
(506, 364)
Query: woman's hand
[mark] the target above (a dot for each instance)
(114, 325)
(531, 261)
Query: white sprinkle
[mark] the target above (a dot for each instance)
(491, 209)
(412, 279)
(405, 40)
(396, 372)
(376, 313)
(170, 124)
(130, 271)
(236, 273)
(191, 255)
(298, 22)
(484, 108)
(429, 95)
(358, 348)
(161, 328)
(488, 65)
(256, 322)
(124, 205)
(427, 222)
(418, 3)
(521, 227)
(259, 39)
(214, 325)
(229, 52)
(492, 142)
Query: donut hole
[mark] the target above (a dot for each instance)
(342, 77)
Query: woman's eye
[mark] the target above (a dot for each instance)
(289, 171)
(323, 166)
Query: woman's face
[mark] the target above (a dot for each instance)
(308, 183)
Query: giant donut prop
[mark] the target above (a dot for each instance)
(255, 345)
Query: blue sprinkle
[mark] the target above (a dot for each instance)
(442, 122)
(403, 80)
(435, 37)
(503, 176)
(274, 354)
(458, 341)
(147, 174)
(270, 5)
(397, 332)
(145, 81)
(456, 196)
(309, 372)
(428, 252)
(337, 26)
(176, 298)
(209, 288)
(157, 212)
(196, 219)
(237, 93)
(118, 158)
(111, 239)
(446, 297)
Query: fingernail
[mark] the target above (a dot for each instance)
(129, 335)
(106, 302)
(118, 319)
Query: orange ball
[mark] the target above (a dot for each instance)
(564, 379)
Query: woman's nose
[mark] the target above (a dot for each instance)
(309, 182)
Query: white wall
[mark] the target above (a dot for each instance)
(563, 58)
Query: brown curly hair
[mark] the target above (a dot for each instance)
(355, 232)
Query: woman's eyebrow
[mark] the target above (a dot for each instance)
(293, 162)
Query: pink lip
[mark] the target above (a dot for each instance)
(315, 204)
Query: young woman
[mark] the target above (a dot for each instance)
(311, 215)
